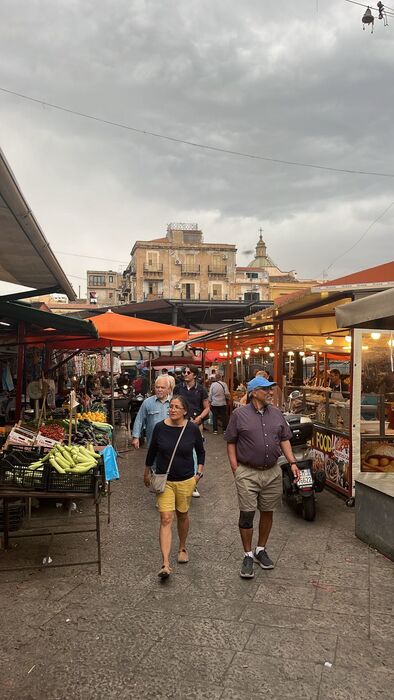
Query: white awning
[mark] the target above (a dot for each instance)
(376, 310)
(26, 257)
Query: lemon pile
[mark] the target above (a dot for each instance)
(94, 416)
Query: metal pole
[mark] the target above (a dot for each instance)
(19, 372)
(203, 367)
(111, 357)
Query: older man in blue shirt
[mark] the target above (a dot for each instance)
(153, 410)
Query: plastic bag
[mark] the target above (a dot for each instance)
(110, 464)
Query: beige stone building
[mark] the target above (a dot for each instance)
(180, 266)
(103, 287)
(263, 280)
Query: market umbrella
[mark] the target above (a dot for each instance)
(114, 329)
(128, 330)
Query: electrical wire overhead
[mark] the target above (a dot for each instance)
(195, 144)
(367, 230)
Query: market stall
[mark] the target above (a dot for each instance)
(78, 460)
(308, 346)
(372, 322)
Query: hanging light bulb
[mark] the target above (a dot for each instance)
(290, 353)
(239, 352)
(301, 353)
(267, 348)
(348, 338)
(255, 350)
(329, 341)
(272, 354)
(376, 336)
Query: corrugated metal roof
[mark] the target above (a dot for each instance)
(26, 256)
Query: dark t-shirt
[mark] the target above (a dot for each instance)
(257, 436)
(163, 441)
(194, 397)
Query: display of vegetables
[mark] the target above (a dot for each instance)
(53, 431)
(97, 433)
(73, 459)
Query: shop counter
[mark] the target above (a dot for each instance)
(375, 511)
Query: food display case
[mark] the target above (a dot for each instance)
(330, 413)
(374, 411)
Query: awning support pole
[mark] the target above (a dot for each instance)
(111, 359)
(19, 371)
(203, 367)
(278, 359)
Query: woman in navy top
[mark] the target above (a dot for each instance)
(181, 480)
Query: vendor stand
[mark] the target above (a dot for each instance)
(305, 330)
(20, 480)
(372, 322)
(299, 330)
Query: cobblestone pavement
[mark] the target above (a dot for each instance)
(320, 625)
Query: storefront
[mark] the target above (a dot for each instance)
(372, 322)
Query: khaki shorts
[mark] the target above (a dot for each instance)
(258, 489)
(176, 496)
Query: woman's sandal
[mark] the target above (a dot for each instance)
(183, 556)
(164, 572)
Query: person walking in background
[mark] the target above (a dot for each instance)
(257, 434)
(171, 382)
(152, 410)
(197, 401)
(181, 479)
(218, 397)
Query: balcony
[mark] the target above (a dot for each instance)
(150, 296)
(217, 271)
(153, 271)
(190, 270)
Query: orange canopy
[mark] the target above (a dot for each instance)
(118, 330)
(128, 330)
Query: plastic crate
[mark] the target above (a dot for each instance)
(17, 476)
(74, 483)
(16, 512)
(15, 472)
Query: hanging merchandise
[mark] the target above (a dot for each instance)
(34, 363)
(7, 381)
(51, 393)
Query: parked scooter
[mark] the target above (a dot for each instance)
(301, 494)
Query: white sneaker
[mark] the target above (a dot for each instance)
(196, 493)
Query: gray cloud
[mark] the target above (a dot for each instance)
(276, 79)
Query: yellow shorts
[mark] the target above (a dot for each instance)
(176, 496)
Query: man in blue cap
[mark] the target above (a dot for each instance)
(256, 436)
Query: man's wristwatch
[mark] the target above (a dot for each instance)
(296, 464)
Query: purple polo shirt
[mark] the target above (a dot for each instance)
(257, 436)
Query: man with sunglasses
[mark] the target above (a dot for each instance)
(256, 436)
(197, 399)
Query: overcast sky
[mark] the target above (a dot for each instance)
(296, 80)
